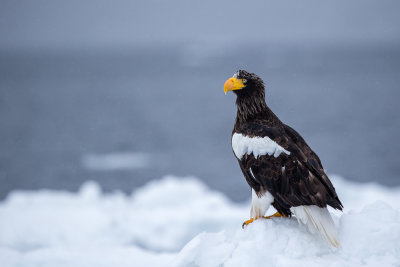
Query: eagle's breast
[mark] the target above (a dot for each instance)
(259, 146)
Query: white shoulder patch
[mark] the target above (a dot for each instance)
(259, 146)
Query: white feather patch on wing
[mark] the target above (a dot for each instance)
(260, 205)
(252, 175)
(317, 218)
(259, 146)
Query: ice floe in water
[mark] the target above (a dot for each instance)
(115, 161)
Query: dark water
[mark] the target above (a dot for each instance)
(56, 107)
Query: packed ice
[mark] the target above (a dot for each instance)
(181, 222)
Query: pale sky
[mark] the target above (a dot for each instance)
(101, 23)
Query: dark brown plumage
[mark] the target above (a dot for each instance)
(293, 180)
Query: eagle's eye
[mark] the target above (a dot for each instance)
(244, 81)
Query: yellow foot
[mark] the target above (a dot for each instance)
(276, 214)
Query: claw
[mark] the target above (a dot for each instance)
(248, 222)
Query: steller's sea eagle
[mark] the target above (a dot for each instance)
(277, 163)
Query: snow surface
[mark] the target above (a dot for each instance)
(152, 225)
(259, 146)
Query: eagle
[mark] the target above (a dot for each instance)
(279, 166)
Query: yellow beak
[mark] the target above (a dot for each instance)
(233, 84)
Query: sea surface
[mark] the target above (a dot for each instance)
(124, 117)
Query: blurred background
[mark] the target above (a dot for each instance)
(123, 92)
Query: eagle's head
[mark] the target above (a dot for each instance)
(245, 84)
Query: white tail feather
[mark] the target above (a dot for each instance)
(317, 218)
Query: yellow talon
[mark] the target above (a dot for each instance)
(276, 214)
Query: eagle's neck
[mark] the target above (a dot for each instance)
(254, 107)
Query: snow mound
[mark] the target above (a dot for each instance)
(368, 238)
(149, 227)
